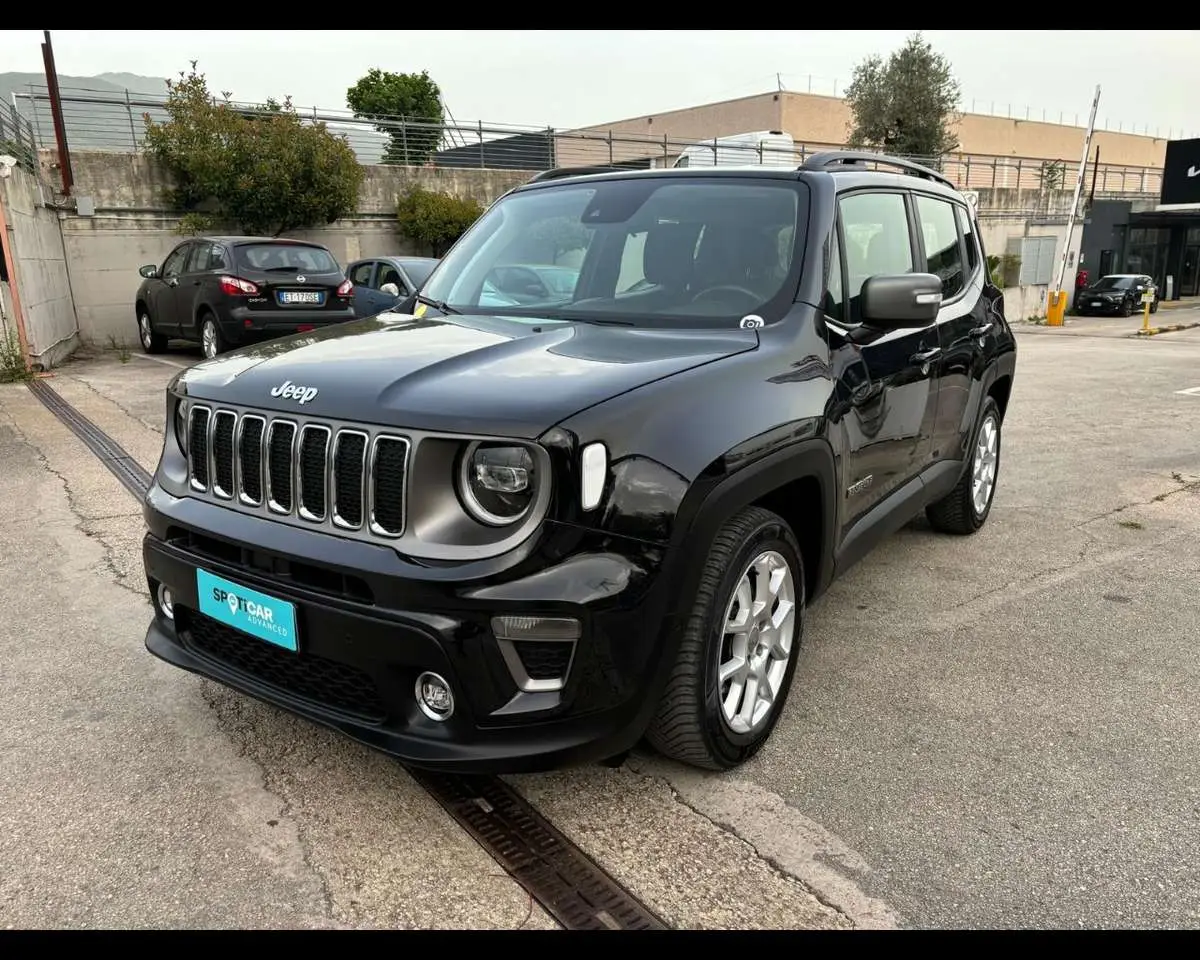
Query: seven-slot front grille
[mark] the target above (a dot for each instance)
(351, 479)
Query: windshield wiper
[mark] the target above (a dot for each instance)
(436, 304)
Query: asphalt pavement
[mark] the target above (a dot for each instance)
(993, 731)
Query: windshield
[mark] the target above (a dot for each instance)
(643, 250)
(1114, 283)
(287, 258)
(418, 270)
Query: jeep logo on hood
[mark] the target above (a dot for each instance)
(289, 391)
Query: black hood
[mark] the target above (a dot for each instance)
(489, 375)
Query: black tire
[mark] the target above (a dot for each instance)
(151, 342)
(207, 320)
(690, 725)
(956, 512)
(1154, 307)
(1126, 308)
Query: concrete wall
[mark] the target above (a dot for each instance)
(40, 262)
(133, 225)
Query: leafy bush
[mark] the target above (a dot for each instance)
(264, 169)
(434, 220)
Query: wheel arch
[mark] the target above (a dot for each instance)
(797, 483)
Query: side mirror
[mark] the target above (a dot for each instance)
(149, 271)
(390, 289)
(903, 300)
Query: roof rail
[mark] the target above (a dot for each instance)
(833, 158)
(559, 172)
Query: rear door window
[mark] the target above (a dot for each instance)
(286, 258)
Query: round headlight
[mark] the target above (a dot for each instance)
(181, 426)
(497, 482)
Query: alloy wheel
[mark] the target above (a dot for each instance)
(759, 638)
(983, 468)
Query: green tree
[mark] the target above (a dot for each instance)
(264, 169)
(407, 107)
(434, 220)
(906, 105)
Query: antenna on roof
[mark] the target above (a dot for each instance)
(779, 82)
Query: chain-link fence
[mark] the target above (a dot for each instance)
(103, 120)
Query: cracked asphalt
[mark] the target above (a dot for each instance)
(995, 731)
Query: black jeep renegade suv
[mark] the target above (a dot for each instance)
(524, 524)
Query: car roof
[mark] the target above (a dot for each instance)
(236, 241)
(846, 177)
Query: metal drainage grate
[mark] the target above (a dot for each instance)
(572, 887)
(122, 466)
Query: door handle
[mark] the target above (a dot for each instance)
(926, 355)
(982, 330)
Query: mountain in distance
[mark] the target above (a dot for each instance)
(116, 83)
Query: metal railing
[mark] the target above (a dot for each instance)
(17, 137)
(102, 120)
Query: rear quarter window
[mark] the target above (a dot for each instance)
(286, 256)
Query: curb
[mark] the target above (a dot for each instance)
(1169, 328)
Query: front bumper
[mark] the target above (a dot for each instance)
(368, 628)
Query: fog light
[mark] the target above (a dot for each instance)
(434, 697)
(166, 603)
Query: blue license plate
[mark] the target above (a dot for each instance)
(247, 610)
(311, 298)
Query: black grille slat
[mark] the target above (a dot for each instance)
(389, 468)
(250, 459)
(314, 447)
(341, 477)
(310, 677)
(198, 447)
(222, 450)
(348, 477)
(279, 464)
(545, 659)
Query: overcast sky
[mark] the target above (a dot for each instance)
(575, 78)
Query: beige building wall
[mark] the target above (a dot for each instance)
(822, 121)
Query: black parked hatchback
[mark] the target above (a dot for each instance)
(225, 291)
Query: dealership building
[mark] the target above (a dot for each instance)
(1159, 239)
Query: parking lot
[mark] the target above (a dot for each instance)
(987, 731)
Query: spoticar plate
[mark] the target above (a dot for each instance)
(257, 614)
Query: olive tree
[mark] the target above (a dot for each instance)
(907, 104)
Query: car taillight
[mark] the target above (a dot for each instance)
(345, 289)
(236, 286)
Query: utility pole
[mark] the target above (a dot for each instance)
(1058, 296)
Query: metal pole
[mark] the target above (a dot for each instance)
(60, 130)
(1095, 167)
(129, 110)
(1058, 294)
